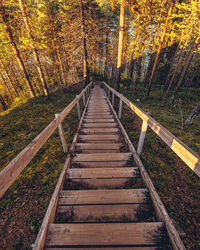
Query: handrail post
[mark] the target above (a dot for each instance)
(113, 99)
(120, 109)
(78, 109)
(109, 94)
(84, 99)
(142, 137)
(62, 135)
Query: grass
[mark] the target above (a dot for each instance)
(177, 185)
(24, 204)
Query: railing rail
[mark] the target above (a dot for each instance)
(10, 173)
(191, 158)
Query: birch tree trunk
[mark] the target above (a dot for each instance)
(120, 45)
(160, 47)
(85, 59)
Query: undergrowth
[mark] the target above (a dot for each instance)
(177, 185)
(23, 206)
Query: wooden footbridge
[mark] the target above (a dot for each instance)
(104, 198)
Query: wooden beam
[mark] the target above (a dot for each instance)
(62, 135)
(142, 137)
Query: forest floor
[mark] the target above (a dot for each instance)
(177, 185)
(23, 206)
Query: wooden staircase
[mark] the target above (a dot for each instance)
(104, 203)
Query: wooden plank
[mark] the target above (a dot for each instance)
(191, 158)
(99, 137)
(101, 213)
(102, 157)
(104, 234)
(103, 248)
(98, 117)
(100, 164)
(119, 196)
(98, 120)
(102, 172)
(82, 146)
(112, 183)
(100, 125)
(99, 131)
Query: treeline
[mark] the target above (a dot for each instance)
(43, 44)
(47, 44)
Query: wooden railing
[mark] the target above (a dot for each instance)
(9, 174)
(191, 158)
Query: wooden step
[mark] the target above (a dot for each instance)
(103, 157)
(102, 213)
(104, 234)
(127, 172)
(100, 148)
(119, 196)
(106, 183)
(100, 125)
(103, 248)
(104, 164)
(98, 120)
(99, 131)
(100, 138)
(102, 116)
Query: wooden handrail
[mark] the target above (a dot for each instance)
(10, 173)
(191, 158)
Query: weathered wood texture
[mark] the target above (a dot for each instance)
(191, 158)
(100, 234)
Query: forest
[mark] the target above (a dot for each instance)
(52, 44)
(148, 50)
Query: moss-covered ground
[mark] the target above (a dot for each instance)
(24, 204)
(176, 183)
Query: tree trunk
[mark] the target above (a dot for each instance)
(35, 52)
(160, 47)
(190, 80)
(131, 67)
(3, 103)
(193, 114)
(138, 63)
(16, 50)
(173, 76)
(9, 78)
(16, 80)
(171, 66)
(188, 61)
(149, 67)
(7, 87)
(120, 45)
(85, 59)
